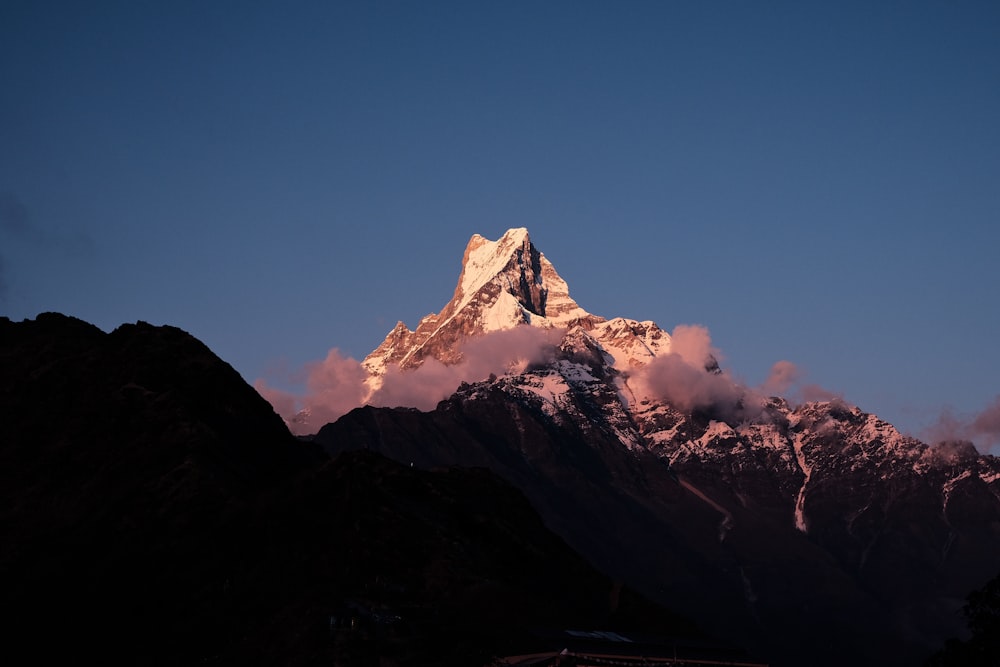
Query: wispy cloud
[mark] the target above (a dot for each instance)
(981, 428)
(337, 384)
(783, 375)
(686, 377)
(690, 379)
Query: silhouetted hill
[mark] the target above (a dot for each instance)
(155, 510)
(129, 462)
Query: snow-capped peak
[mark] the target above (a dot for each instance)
(484, 259)
(503, 284)
(514, 265)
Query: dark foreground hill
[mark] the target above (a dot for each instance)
(155, 510)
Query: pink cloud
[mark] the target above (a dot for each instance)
(337, 384)
(782, 376)
(420, 388)
(982, 428)
(952, 451)
(688, 377)
(811, 393)
(492, 354)
(333, 387)
(987, 423)
(688, 380)
(693, 344)
(520, 346)
(947, 427)
(784, 380)
(689, 387)
(283, 402)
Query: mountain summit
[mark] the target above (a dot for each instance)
(503, 284)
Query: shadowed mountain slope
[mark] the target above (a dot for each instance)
(155, 511)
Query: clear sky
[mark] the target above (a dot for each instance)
(812, 181)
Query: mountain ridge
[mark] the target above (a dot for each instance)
(722, 480)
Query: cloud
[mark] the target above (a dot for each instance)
(947, 427)
(785, 380)
(689, 378)
(338, 384)
(334, 386)
(495, 353)
(982, 428)
(987, 423)
(952, 451)
(687, 386)
(693, 344)
(783, 375)
(283, 402)
(422, 388)
(813, 393)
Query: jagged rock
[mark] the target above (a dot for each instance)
(503, 284)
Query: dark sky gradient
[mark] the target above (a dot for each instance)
(816, 182)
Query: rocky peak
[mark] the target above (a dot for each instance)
(513, 264)
(503, 284)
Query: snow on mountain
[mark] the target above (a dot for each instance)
(523, 273)
(630, 343)
(503, 284)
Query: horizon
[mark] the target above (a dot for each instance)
(812, 184)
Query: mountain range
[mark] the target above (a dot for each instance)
(812, 529)
(563, 470)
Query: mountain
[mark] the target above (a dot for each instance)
(502, 284)
(813, 533)
(156, 511)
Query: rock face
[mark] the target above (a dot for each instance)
(814, 534)
(156, 511)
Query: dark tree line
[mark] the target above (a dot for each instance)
(982, 612)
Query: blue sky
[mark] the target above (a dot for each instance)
(816, 182)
